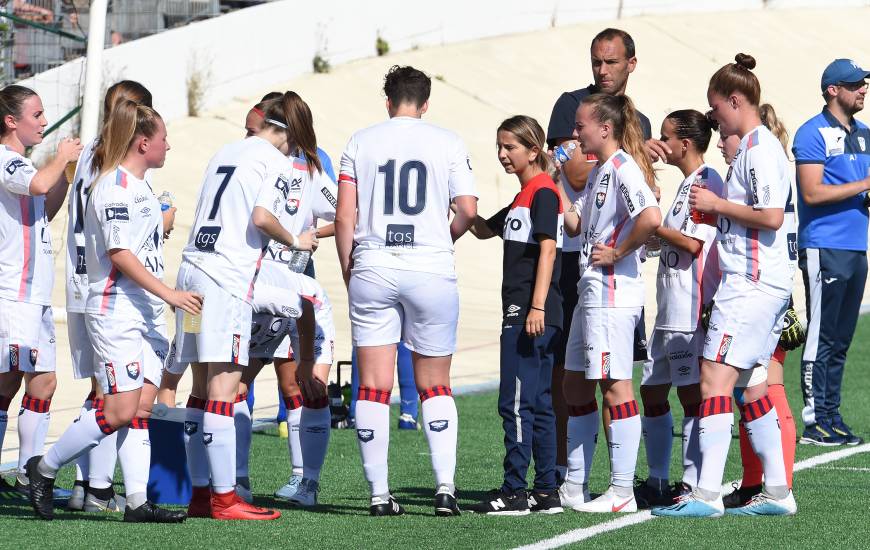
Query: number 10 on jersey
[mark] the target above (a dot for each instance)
(416, 167)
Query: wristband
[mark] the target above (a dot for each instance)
(294, 240)
(537, 308)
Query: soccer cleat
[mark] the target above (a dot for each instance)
(244, 493)
(8, 491)
(306, 494)
(545, 502)
(151, 513)
(200, 503)
(289, 489)
(445, 502)
(229, 506)
(692, 506)
(500, 502)
(385, 507)
(93, 504)
(678, 489)
(41, 493)
(821, 435)
(840, 428)
(648, 496)
(408, 422)
(569, 501)
(76, 502)
(740, 496)
(763, 504)
(609, 502)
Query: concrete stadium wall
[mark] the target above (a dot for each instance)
(272, 42)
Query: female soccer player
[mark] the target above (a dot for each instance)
(125, 306)
(758, 265)
(95, 469)
(615, 214)
(531, 227)
(28, 200)
(686, 281)
(244, 188)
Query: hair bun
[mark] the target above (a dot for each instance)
(745, 60)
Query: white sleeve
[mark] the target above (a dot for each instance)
(325, 197)
(765, 181)
(113, 207)
(17, 174)
(461, 180)
(273, 192)
(635, 194)
(347, 169)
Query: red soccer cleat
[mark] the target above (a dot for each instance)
(200, 503)
(230, 506)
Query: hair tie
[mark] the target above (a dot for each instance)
(259, 111)
(277, 123)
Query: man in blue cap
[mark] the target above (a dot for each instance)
(832, 152)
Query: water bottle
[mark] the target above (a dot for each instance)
(563, 153)
(702, 217)
(299, 260)
(192, 324)
(653, 247)
(165, 199)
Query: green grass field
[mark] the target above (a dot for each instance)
(834, 507)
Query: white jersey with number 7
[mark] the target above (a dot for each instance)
(406, 172)
(224, 243)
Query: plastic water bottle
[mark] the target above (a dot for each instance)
(564, 152)
(702, 217)
(165, 199)
(192, 324)
(299, 260)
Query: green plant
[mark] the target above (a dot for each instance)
(382, 46)
(198, 81)
(320, 65)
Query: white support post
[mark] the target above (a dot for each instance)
(94, 72)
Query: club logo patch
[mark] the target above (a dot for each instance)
(605, 363)
(292, 206)
(190, 428)
(601, 195)
(677, 207)
(110, 378)
(724, 346)
(14, 357)
(207, 438)
(237, 340)
(439, 425)
(34, 356)
(365, 435)
(133, 370)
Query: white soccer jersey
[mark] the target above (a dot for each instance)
(26, 261)
(309, 198)
(616, 192)
(569, 243)
(122, 213)
(759, 177)
(76, 268)
(223, 242)
(685, 282)
(406, 172)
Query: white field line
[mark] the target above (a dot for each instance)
(845, 469)
(578, 535)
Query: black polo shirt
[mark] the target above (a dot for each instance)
(564, 112)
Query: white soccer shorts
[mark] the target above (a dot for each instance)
(391, 305)
(221, 333)
(675, 358)
(27, 339)
(83, 361)
(601, 342)
(128, 351)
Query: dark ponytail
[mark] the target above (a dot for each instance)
(694, 126)
(293, 115)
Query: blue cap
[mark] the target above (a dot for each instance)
(842, 70)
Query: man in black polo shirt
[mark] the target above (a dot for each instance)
(613, 60)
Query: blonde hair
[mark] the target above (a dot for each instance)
(774, 124)
(530, 134)
(620, 112)
(126, 121)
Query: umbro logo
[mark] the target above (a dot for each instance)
(365, 435)
(438, 425)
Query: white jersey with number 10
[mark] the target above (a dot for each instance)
(224, 243)
(406, 172)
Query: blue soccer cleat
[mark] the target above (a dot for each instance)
(692, 506)
(290, 488)
(763, 504)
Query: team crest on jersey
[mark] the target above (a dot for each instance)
(14, 357)
(365, 435)
(133, 370)
(34, 356)
(601, 194)
(190, 428)
(207, 438)
(438, 425)
(292, 206)
(677, 207)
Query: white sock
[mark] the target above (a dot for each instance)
(197, 459)
(691, 451)
(314, 428)
(762, 427)
(294, 443)
(134, 454)
(624, 442)
(32, 427)
(582, 438)
(441, 424)
(82, 462)
(80, 437)
(101, 462)
(219, 435)
(658, 440)
(716, 419)
(242, 421)
(373, 437)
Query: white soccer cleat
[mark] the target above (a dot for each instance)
(763, 504)
(95, 505)
(289, 489)
(609, 502)
(244, 494)
(306, 494)
(76, 502)
(569, 501)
